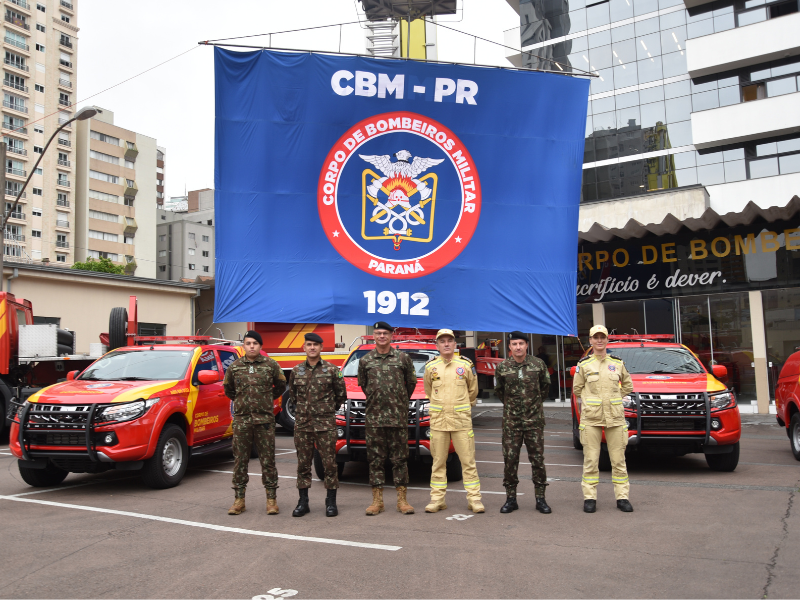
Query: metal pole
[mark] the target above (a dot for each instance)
(710, 331)
(644, 310)
(3, 229)
(408, 37)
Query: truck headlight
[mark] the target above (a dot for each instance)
(428, 433)
(628, 402)
(423, 409)
(119, 413)
(722, 400)
(341, 412)
(340, 432)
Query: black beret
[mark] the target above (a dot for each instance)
(382, 325)
(254, 335)
(313, 337)
(517, 335)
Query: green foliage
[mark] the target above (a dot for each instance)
(103, 265)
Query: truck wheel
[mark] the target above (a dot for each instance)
(50, 475)
(453, 468)
(605, 460)
(167, 466)
(576, 434)
(724, 462)
(117, 328)
(286, 416)
(794, 434)
(320, 470)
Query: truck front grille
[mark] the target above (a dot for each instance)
(61, 416)
(672, 404)
(358, 412)
(673, 424)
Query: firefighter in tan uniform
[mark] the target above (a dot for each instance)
(451, 385)
(601, 382)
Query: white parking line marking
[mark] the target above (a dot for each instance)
(70, 486)
(363, 484)
(500, 462)
(285, 536)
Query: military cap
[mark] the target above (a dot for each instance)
(313, 337)
(517, 335)
(598, 329)
(254, 335)
(382, 325)
(442, 332)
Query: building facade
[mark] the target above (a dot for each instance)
(185, 247)
(116, 183)
(39, 88)
(688, 221)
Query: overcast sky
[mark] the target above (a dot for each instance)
(174, 103)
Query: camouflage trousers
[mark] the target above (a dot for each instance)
(245, 435)
(325, 441)
(387, 443)
(512, 445)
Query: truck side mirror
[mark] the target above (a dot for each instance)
(720, 371)
(207, 377)
(572, 371)
(72, 375)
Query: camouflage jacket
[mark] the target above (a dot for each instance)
(388, 380)
(253, 385)
(318, 392)
(521, 387)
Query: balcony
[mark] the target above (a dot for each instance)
(13, 193)
(130, 265)
(62, 182)
(65, 63)
(16, 150)
(64, 203)
(16, 65)
(65, 42)
(64, 163)
(11, 127)
(14, 237)
(15, 106)
(16, 215)
(131, 188)
(130, 226)
(62, 244)
(67, 5)
(17, 172)
(747, 121)
(17, 44)
(21, 3)
(17, 22)
(131, 151)
(62, 223)
(65, 83)
(17, 86)
(63, 102)
(65, 121)
(64, 142)
(743, 46)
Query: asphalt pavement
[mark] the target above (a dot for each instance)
(694, 532)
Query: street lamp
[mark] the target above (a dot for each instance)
(86, 112)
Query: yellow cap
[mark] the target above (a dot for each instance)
(442, 332)
(598, 329)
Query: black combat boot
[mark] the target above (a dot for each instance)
(510, 505)
(624, 505)
(541, 506)
(330, 504)
(589, 506)
(302, 504)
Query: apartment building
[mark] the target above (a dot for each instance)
(117, 180)
(691, 171)
(186, 242)
(39, 88)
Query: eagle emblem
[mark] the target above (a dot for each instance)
(398, 197)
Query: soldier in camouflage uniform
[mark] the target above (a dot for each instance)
(521, 383)
(252, 382)
(388, 378)
(318, 390)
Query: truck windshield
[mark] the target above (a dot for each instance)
(653, 361)
(135, 365)
(419, 357)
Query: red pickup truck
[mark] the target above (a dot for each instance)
(787, 401)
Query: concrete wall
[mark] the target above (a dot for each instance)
(765, 192)
(84, 301)
(204, 319)
(145, 205)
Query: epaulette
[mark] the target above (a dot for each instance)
(432, 362)
(465, 359)
(614, 357)
(585, 358)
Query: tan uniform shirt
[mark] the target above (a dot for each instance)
(601, 385)
(452, 388)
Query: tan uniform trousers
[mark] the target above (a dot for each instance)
(464, 444)
(616, 440)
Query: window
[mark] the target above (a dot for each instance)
(162, 268)
(40, 47)
(131, 145)
(131, 183)
(37, 191)
(191, 251)
(47, 321)
(36, 212)
(108, 255)
(13, 251)
(103, 196)
(40, 27)
(36, 233)
(62, 199)
(205, 269)
(207, 362)
(40, 67)
(128, 240)
(102, 235)
(61, 258)
(65, 18)
(38, 171)
(210, 222)
(191, 266)
(130, 164)
(162, 238)
(38, 149)
(153, 329)
(103, 176)
(104, 157)
(61, 238)
(38, 128)
(130, 221)
(162, 253)
(205, 238)
(191, 236)
(39, 88)
(102, 137)
(129, 200)
(103, 216)
(205, 253)
(41, 7)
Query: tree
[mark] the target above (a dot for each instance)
(104, 265)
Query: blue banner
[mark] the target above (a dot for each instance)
(353, 190)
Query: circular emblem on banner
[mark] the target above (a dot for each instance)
(399, 195)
